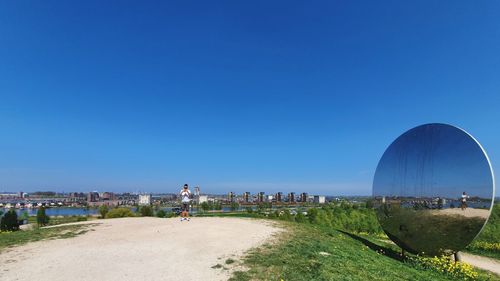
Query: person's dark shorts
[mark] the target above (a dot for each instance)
(185, 207)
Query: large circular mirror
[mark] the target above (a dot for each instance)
(433, 189)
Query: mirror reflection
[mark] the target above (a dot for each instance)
(433, 189)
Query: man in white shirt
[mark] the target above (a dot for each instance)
(463, 201)
(185, 199)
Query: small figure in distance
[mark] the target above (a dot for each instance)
(185, 199)
(463, 201)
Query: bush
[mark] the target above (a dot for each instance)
(119, 213)
(300, 217)
(161, 213)
(234, 206)
(41, 218)
(9, 221)
(146, 211)
(170, 215)
(103, 210)
(249, 210)
(205, 206)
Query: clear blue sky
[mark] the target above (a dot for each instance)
(235, 95)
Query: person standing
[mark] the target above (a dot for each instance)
(463, 201)
(185, 200)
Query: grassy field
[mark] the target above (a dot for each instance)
(488, 242)
(309, 252)
(10, 239)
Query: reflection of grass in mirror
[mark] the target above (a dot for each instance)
(428, 231)
(488, 242)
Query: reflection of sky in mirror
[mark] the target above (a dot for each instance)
(433, 160)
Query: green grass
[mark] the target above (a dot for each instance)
(490, 235)
(229, 214)
(308, 252)
(10, 239)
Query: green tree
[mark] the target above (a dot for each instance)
(234, 206)
(205, 206)
(218, 206)
(9, 221)
(161, 213)
(300, 217)
(103, 210)
(369, 204)
(41, 217)
(25, 216)
(146, 211)
(312, 214)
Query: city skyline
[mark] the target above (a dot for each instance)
(235, 96)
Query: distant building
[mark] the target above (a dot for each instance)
(319, 199)
(269, 198)
(230, 196)
(303, 197)
(291, 197)
(246, 197)
(202, 198)
(93, 197)
(144, 199)
(260, 197)
(279, 196)
(108, 196)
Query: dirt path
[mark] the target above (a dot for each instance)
(469, 212)
(139, 249)
(482, 262)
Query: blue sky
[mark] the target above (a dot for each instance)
(230, 95)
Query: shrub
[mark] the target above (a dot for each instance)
(234, 206)
(146, 211)
(205, 206)
(170, 215)
(300, 217)
(9, 221)
(161, 213)
(103, 210)
(41, 218)
(119, 213)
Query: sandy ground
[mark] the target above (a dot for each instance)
(469, 212)
(139, 249)
(482, 262)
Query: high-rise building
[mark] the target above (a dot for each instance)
(260, 197)
(279, 196)
(319, 199)
(291, 197)
(230, 196)
(303, 197)
(246, 197)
